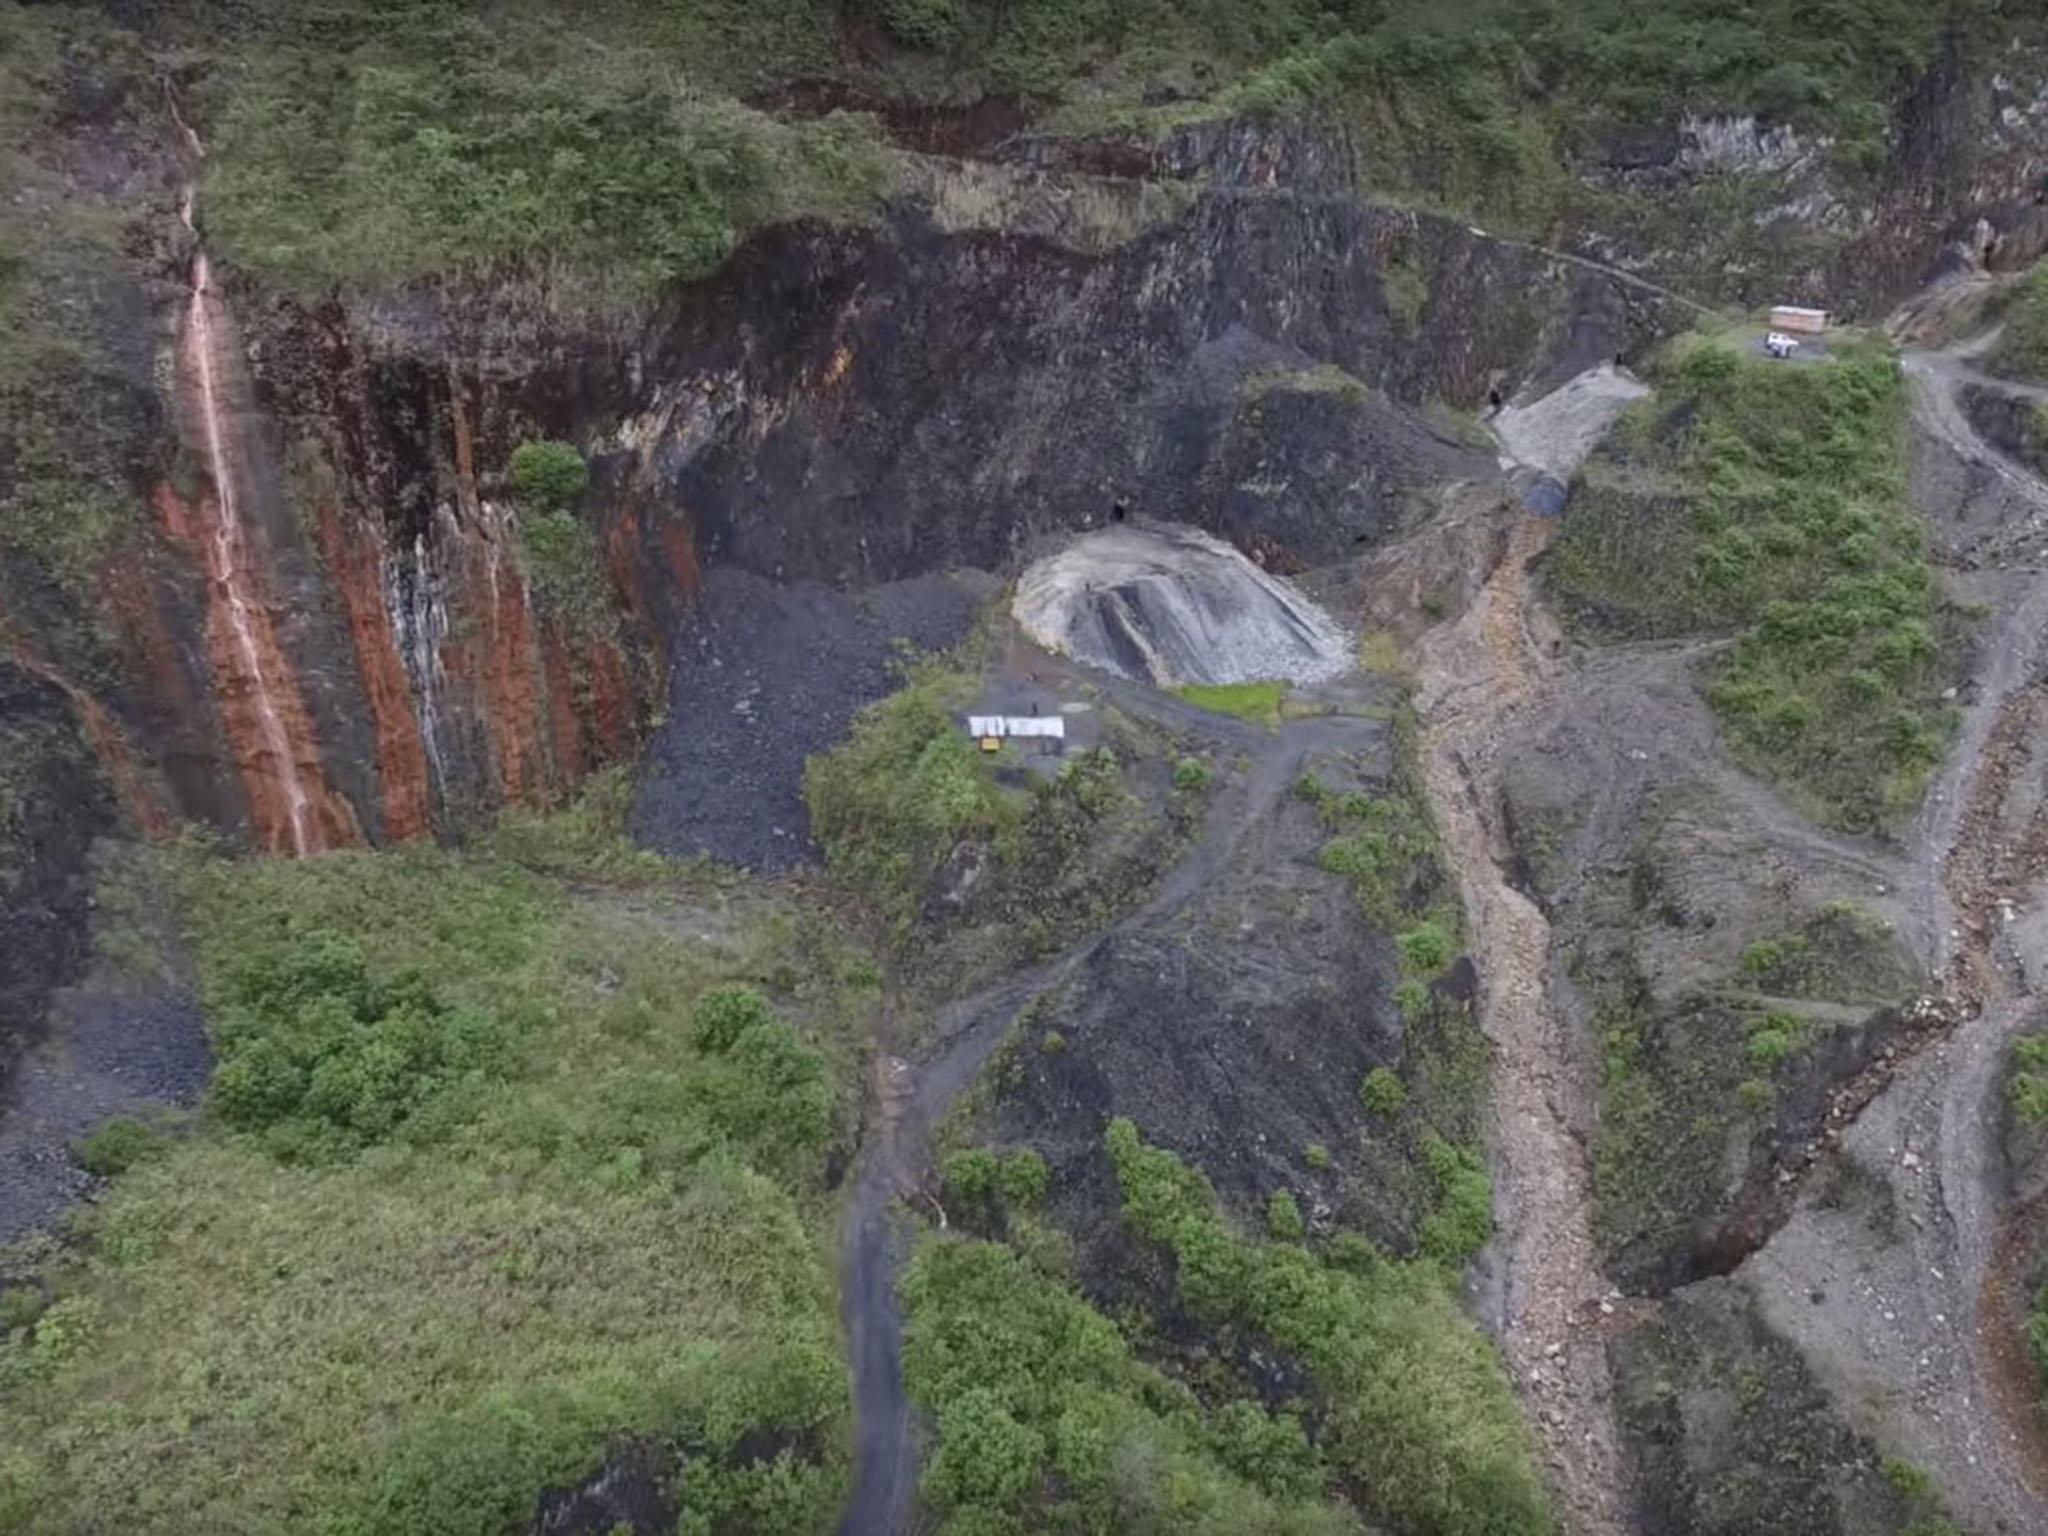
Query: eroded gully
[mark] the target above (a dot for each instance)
(1472, 678)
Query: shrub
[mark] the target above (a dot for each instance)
(1461, 1220)
(20, 1306)
(1023, 1177)
(1769, 1046)
(116, 1146)
(320, 1057)
(929, 24)
(1426, 948)
(1316, 1155)
(2029, 1086)
(1052, 1043)
(1383, 1093)
(985, 1455)
(1283, 1217)
(723, 1014)
(1191, 775)
(1268, 1449)
(548, 476)
(971, 1174)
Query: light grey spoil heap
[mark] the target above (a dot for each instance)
(1167, 605)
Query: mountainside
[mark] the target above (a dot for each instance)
(540, 1017)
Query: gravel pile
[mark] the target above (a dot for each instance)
(762, 676)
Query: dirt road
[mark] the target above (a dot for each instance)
(914, 1098)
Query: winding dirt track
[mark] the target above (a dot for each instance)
(1473, 676)
(1975, 868)
(913, 1098)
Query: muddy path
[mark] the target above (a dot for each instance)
(912, 1098)
(1473, 678)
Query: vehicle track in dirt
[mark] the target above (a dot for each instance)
(1472, 678)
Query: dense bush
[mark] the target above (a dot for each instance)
(1417, 1411)
(1046, 1421)
(548, 476)
(320, 1057)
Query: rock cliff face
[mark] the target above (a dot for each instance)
(1218, 329)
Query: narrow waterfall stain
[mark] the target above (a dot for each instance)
(290, 805)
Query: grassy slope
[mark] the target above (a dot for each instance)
(1768, 503)
(623, 1234)
(66, 506)
(2022, 350)
(377, 141)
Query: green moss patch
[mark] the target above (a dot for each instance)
(1257, 702)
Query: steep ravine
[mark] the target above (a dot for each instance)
(1471, 677)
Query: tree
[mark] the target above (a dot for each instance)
(548, 475)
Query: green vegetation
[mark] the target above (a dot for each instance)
(379, 142)
(1417, 1416)
(1257, 702)
(116, 1146)
(69, 416)
(1382, 1092)
(2028, 1087)
(1283, 1218)
(1461, 1220)
(1048, 1422)
(908, 797)
(1769, 503)
(1322, 379)
(496, 1176)
(903, 790)
(1687, 1081)
(548, 476)
(2022, 349)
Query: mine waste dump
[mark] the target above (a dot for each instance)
(1166, 605)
